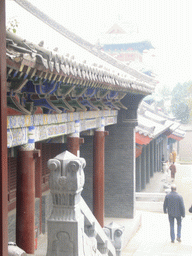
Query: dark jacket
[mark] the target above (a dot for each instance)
(174, 204)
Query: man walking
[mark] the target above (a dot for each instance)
(174, 204)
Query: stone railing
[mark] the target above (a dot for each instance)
(72, 228)
(95, 231)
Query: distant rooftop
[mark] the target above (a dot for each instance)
(124, 33)
(84, 52)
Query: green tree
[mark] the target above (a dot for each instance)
(12, 25)
(161, 99)
(180, 103)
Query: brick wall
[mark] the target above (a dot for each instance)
(119, 175)
(12, 221)
(49, 150)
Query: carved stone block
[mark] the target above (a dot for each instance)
(66, 222)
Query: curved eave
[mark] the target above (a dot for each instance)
(142, 139)
(175, 137)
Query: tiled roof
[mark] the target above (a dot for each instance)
(153, 123)
(128, 75)
(19, 50)
(46, 81)
(38, 77)
(178, 132)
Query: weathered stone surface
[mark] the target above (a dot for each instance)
(115, 233)
(66, 222)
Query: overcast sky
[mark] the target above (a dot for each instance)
(166, 23)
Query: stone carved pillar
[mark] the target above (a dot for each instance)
(66, 223)
(115, 233)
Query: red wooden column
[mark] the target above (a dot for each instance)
(25, 210)
(98, 174)
(3, 137)
(38, 184)
(73, 145)
(74, 141)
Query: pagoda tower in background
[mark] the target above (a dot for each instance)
(124, 42)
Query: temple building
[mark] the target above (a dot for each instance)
(63, 117)
(124, 42)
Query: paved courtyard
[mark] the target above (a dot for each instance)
(153, 237)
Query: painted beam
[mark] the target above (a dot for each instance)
(51, 126)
